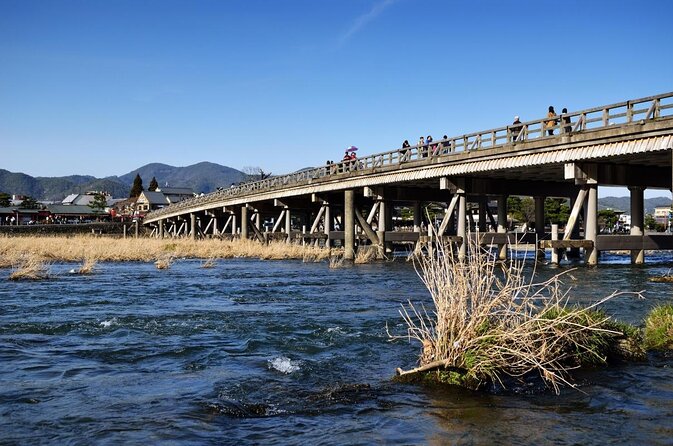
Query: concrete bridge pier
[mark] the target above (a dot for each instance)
(591, 223)
(215, 222)
(502, 225)
(539, 225)
(384, 223)
(349, 224)
(160, 233)
(462, 220)
(288, 225)
(244, 222)
(192, 225)
(327, 225)
(637, 221)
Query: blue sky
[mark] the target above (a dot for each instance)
(103, 87)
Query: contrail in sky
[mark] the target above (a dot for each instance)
(362, 20)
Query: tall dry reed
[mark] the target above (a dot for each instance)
(74, 249)
(488, 321)
(88, 265)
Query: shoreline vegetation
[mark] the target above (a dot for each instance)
(489, 326)
(102, 249)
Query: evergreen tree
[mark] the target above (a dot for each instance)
(153, 185)
(99, 203)
(556, 211)
(5, 199)
(137, 188)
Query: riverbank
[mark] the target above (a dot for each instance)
(77, 248)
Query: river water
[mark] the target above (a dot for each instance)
(285, 352)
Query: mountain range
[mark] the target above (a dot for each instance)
(201, 177)
(624, 203)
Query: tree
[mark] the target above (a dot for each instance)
(556, 211)
(153, 185)
(5, 199)
(521, 209)
(650, 222)
(99, 203)
(607, 219)
(255, 173)
(137, 188)
(30, 203)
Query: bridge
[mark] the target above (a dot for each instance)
(466, 179)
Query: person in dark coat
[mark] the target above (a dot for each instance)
(567, 128)
(515, 128)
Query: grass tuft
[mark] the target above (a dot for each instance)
(658, 333)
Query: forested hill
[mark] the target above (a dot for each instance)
(624, 203)
(202, 177)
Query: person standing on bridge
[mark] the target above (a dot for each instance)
(566, 121)
(421, 146)
(515, 128)
(552, 122)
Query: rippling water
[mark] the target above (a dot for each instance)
(286, 353)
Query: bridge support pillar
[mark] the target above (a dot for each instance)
(637, 221)
(462, 227)
(244, 222)
(137, 228)
(417, 217)
(192, 225)
(573, 253)
(483, 202)
(160, 233)
(349, 224)
(591, 224)
(288, 225)
(327, 225)
(554, 251)
(216, 231)
(539, 225)
(502, 225)
(384, 224)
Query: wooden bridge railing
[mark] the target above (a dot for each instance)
(622, 113)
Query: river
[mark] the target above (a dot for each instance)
(285, 352)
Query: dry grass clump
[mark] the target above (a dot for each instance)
(30, 267)
(164, 262)
(365, 254)
(209, 263)
(88, 265)
(664, 278)
(337, 261)
(489, 322)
